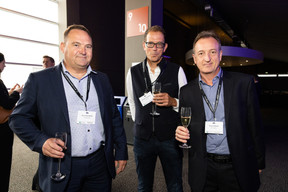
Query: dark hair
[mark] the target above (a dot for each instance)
(207, 34)
(48, 57)
(76, 26)
(155, 28)
(2, 58)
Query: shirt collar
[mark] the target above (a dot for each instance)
(217, 77)
(89, 70)
(157, 69)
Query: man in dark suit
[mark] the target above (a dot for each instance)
(227, 151)
(72, 98)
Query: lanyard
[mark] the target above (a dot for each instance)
(76, 90)
(145, 79)
(217, 97)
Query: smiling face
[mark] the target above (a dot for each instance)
(77, 49)
(207, 56)
(154, 54)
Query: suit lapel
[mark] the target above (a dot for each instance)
(198, 105)
(59, 91)
(199, 101)
(100, 92)
(228, 89)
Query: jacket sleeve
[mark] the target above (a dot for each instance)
(23, 118)
(119, 136)
(255, 124)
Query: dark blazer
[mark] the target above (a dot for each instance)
(42, 111)
(243, 125)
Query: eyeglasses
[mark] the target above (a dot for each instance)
(151, 44)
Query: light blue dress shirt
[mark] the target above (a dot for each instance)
(85, 138)
(216, 143)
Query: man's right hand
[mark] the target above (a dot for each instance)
(53, 148)
(182, 134)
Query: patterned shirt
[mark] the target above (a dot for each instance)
(85, 138)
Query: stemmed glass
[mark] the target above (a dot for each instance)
(60, 176)
(156, 88)
(185, 120)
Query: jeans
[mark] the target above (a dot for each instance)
(146, 153)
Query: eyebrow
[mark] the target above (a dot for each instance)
(76, 42)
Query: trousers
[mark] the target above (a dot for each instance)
(90, 174)
(146, 153)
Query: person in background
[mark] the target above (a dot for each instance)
(72, 98)
(7, 102)
(47, 62)
(154, 135)
(227, 149)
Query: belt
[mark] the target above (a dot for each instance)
(91, 154)
(219, 158)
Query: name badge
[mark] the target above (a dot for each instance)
(86, 117)
(214, 127)
(146, 98)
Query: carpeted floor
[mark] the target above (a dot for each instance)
(274, 178)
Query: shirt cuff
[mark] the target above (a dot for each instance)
(176, 108)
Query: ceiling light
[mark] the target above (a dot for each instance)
(282, 75)
(267, 75)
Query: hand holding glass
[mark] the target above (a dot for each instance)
(59, 176)
(156, 88)
(185, 120)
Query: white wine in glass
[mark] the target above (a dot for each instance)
(156, 88)
(60, 176)
(185, 120)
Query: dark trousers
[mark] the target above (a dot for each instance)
(6, 143)
(146, 153)
(221, 178)
(35, 181)
(90, 174)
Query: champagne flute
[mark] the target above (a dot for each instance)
(60, 176)
(185, 120)
(156, 88)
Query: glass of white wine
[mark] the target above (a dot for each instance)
(156, 88)
(60, 176)
(185, 120)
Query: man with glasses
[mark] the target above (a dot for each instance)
(154, 135)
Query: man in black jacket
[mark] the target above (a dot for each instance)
(154, 135)
(227, 149)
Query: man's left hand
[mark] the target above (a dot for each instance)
(120, 166)
(164, 99)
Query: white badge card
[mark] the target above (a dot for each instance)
(86, 117)
(214, 127)
(146, 98)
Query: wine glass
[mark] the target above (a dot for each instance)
(156, 88)
(185, 120)
(60, 176)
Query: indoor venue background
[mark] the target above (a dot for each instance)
(258, 25)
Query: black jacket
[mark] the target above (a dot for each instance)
(243, 126)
